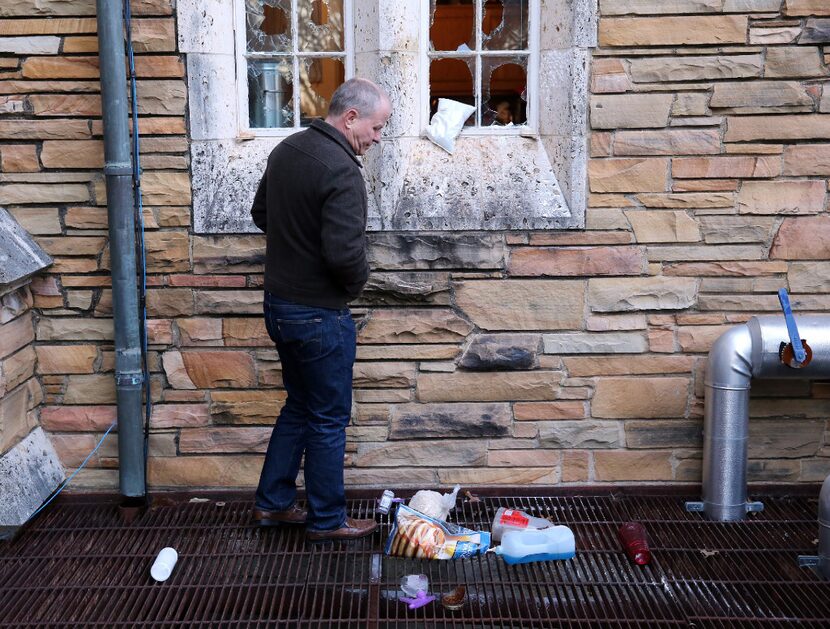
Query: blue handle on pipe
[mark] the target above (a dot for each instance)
(792, 329)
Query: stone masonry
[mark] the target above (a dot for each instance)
(516, 358)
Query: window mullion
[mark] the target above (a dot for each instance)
(479, 21)
(295, 50)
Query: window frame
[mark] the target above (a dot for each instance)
(241, 53)
(531, 127)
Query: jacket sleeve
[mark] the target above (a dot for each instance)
(343, 228)
(258, 210)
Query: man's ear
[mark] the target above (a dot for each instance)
(350, 117)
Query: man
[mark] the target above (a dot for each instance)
(311, 204)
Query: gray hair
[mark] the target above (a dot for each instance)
(359, 94)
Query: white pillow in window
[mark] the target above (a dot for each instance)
(447, 122)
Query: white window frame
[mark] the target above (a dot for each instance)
(240, 31)
(531, 127)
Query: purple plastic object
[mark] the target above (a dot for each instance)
(419, 601)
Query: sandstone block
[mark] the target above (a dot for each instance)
(22, 193)
(501, 352)
(584, 433)
(72, 154)
(488, 387)
(60, 68)
(731, 269)
(246, 407)
(179, 415)
(16, 369)
(228, 254)
(14, 419)
(390, 251)
(588, 261)
(806, 238)
(782, 127)
(609, 75)
(695, 68)
(174, 369)
(628, 175)
(65, 104)
(245, 332)
(575, 239)
(407, 352)
(630, 111)
(726, 167)
(214, 369)
(165, 188)
(773, 471)
(90, 389)
(499, 476)
(435, 421)
(650, 226)
(640, 398)
(73, 329)
(761, 97)
(390, 477)
(576, 465)
(646, 293)
(659, 7)
(805, 160)
(542, 411)
(444, 453)
(693, 252)
(204, 471)
(699, 338)
(72, 245)
(771, 35)
(668, 142)
(793, 438)
(16, 334)
(169, 302)
(816, 31)
(440, 325)
(18, 158)
(384, 375)
(226, 440)
(673, 31)
(406, 288)
(523, 304)
(809, 277)
(595, 343)
(523, 458)
(782, 197)
(233, 302)
(806, 7)
(199, 331)
(44, 129)
(612, 323)
(623, 465)
(77, 418)
(55, 359)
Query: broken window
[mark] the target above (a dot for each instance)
(296, 57)
(480, 53)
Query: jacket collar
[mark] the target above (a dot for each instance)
(328, 130)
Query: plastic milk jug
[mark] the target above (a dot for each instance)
(515, 520)
(524, 546)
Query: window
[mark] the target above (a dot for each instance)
(296, 53)
(484, 53)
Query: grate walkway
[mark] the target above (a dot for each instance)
(80, 565)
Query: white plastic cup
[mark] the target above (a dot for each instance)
(163, 565)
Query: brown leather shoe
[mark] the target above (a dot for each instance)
(292, 515)
(351, 529)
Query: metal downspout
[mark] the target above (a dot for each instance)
(118, 171)
(747, 351)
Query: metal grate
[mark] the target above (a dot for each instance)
(79, 564)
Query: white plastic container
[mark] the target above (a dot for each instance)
(524, 546)
(163, 565)
(515, 520)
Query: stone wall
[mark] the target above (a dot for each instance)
(484, 358)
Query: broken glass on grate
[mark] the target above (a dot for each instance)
(319, 77)
(451, 78)
(503, 91)
(268, 25)
(270, 93)
(504, 25)
(320, 25)
(452, 25)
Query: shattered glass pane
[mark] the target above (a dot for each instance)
(268, 25)
(504, 25)
(319, 77)
(320, 25)
(503, 91)
(270, 94)
(451, 78)
(452, 25)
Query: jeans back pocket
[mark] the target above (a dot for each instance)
(303, 337)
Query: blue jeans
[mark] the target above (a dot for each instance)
(317, 352)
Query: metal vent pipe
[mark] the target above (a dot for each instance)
(747, 351)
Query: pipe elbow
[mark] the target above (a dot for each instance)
(730, 360)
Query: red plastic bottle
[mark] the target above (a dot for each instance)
(633, 539)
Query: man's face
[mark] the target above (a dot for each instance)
(364, 131)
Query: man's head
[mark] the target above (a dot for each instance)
(359, 109)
